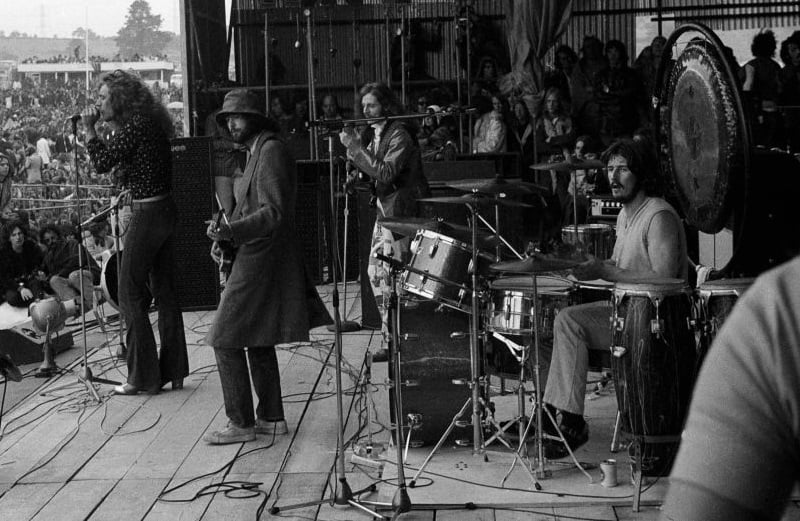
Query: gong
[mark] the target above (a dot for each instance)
(703, 132)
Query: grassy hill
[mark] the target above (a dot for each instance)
(21, 48)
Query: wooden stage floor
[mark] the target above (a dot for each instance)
(64, 456)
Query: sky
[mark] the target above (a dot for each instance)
(47, 18)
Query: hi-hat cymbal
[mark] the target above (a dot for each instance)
(534, 265)
(496, 186)
(409, 226)
(569, 165)
(475, 199)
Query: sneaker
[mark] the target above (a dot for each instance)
(230, 434)
(271, 427)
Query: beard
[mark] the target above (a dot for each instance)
(626, 196)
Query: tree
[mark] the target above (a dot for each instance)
(142, 32)
(80, 33)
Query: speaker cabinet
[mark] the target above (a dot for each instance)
(25, 346)
(197, 276)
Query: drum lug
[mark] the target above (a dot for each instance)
(414, 420)
(656, 326)
(434, 247)
(618, 351)
(618, 323)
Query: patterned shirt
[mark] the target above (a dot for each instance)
(142, 152)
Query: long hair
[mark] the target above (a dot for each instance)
(129, 95)
(385, 97)
(640, 161)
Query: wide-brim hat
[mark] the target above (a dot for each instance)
(240, 101)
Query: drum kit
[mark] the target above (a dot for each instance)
(449, 265)
(660, 328)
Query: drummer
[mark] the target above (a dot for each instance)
(650, 244)
(388, 154)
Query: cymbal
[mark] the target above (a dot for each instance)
(570, 164)
(476, 199)
(534, 265)
(496, 186)
(410, 225)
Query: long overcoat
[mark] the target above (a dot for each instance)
(268, 298)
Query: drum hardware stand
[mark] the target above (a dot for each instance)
(497, 234)
(343, 495)
(540, 436)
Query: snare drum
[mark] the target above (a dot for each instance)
(597, 239)
(715, 300)
(654, 366)
(445, 258)
(509, 309)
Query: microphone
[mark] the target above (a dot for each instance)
(74, 118)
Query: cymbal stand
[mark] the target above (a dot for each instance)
(494, 230)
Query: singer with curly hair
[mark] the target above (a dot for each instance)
(140, 148)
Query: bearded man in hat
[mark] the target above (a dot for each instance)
(268, 298)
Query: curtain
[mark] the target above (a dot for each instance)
(532, 27)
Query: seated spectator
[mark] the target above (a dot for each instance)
(559, 134)
(489, 134)
(61, 265)
(437, 136)
(520, 133)
(20, 260)
(790, 93)
(96, 240)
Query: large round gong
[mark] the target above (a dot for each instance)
(703, 133)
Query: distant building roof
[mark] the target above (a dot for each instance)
(104, 66)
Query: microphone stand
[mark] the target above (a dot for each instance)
(343, 494)
(86, 376)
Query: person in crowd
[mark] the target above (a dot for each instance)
(489, 132)
(488, 73)
(33, 165)
(65, 271)
(330, 107)
(96, 240)
(520, 133)
(20, 263)
(140, 147)
(584, 79)
(388, 156)
(268, 298)
(739, 456)
(563, 69)
(583, 183)
(790, 90)
(280, 113)
(761, 87)
(7, 171)
(650, 243)
(646, 66)
(43, 147)
(437, 137)
(617, 91)
(559, 135)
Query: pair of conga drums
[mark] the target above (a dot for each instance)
(661, 331)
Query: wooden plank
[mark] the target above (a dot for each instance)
(75, 500)
(93, 433)
(190, 509)
(238, 507)
(465, 515)
(120, 453)
(130, 499)
(293, 489)
(604, 512)
(24, 501)
(524, 514)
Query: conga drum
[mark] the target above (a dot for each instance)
(653, 361)
(715, 300)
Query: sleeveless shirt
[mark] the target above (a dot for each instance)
(631, 246)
